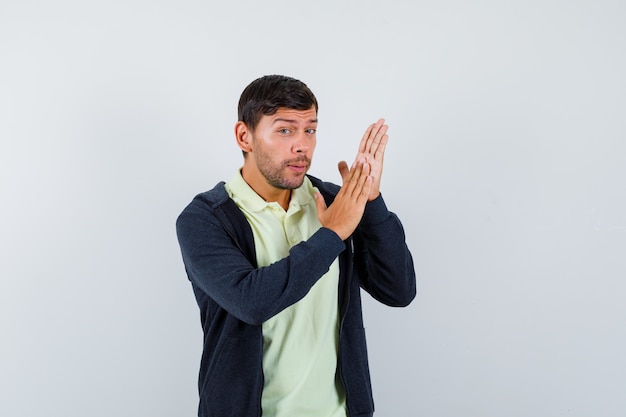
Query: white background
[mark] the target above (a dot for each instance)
(506, 163)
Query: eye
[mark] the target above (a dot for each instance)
(310, 131)
(284, 131)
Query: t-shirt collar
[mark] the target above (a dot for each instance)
(249, 198)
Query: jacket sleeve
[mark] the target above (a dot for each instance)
(382, 258)
(215, 264)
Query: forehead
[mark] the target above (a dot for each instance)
(291, 115)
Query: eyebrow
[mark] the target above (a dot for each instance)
(291, 121)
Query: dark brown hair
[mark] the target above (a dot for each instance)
(265, 95)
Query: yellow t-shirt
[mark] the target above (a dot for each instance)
(300, 343)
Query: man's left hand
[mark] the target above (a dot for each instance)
(372, 148)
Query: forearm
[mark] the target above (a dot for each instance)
(216, 266)
(383, 260)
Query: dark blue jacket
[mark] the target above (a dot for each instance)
(235, 296)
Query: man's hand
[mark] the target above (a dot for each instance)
(344, 214)
(372, 148)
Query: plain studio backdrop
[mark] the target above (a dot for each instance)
(506, 163)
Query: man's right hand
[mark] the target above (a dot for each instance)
(345, 213)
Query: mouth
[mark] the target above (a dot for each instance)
(298, 166)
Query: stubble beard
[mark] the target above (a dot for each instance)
(275, 173)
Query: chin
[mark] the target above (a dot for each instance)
(292, 185)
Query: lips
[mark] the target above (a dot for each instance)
(298, 165)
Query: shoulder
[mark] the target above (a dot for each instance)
(213, 197)
(211, 216)
(210, 199)
(204, 204)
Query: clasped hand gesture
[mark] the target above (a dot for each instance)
(361, 183)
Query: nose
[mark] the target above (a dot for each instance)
(300, 143)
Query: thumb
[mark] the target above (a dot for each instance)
(343, 170)
(320, 203)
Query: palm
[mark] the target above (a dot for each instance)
(372, 149)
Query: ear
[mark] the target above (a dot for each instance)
(243, 136)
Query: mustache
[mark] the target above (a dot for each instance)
(298, 160)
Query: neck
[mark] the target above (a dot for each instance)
(266, 191)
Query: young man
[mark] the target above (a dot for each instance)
(277, 258)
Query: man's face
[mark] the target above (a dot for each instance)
(282, 146)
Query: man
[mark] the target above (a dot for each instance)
(277, 258)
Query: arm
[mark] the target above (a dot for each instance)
(382, 259)
(216, 265)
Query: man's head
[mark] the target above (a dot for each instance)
(276, 132)
(265, 95)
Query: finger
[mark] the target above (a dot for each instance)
(371, 134)
(377, 139)
(352, 182)
(379, 153)
(319, 202)
(375, 133)
(365, 138)
(366, 189)
(361, 175)
(343, 170)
